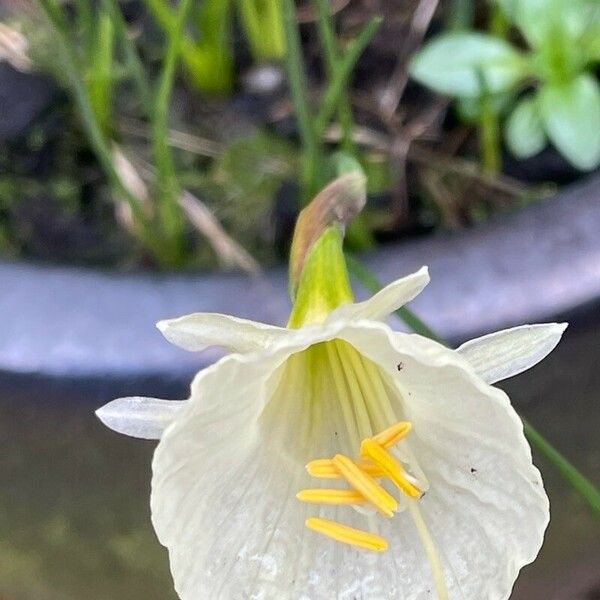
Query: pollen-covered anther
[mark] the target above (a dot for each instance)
(388, 437)
(366, 485)
(326, 469)
(346, 534)
(330, 496)
(370, 448)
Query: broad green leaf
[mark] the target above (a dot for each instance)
(468, 65)
(524, 130)
(509, 7)
(542, 21)
(571, 116)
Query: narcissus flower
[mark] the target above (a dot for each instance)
(337, 458)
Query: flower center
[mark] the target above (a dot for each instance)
(363, 476)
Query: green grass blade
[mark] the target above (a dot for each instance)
(579, 481)
(91, 127)
(167, 188)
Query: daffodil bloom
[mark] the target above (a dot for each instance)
(337, 459)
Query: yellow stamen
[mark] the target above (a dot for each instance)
(366, 485)
(330, 496)
(324, 468)
(388, 437)
(346, 534)
(390, 465)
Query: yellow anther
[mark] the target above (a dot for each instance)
(388, 437)
(325, 468)
(390, 465)
(330, 496)
(366, 485)
(346, 534)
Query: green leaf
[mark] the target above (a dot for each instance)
(542, 20)
(468, 64)
(509, 7)
(571, 116)
(524, 130)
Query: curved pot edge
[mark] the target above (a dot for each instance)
(526, 266)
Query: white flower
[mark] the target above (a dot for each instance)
(232, 458)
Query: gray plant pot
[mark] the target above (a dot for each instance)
(527, 266)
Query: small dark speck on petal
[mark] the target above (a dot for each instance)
(473, 470)
(400, 366)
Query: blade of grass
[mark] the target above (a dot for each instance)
(91, 127)
(100, 70)
(132, 58)
(342, 73)
(298, 85)
(331, 53)
(167, 187)
(579, 481)
(587, 490)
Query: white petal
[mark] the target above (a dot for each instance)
(226, 472)
(199, 331)
(509, 352)
(387, 300)
(140, 417)
(486, 506)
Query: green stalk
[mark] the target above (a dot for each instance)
(342, 74)
(588, 491)
(357, 232)
(262, 23)
(91, 127)
(167, 188)
(298, 85)
(274, 25)
(85, 23)
(332, 58)
(100, 69)
(209, 63)
(489, 132)
(489, 129)
(132, 58)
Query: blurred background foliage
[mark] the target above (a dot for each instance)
(189, 134)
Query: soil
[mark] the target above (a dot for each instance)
(55, 204)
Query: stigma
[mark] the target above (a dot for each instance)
(364, 478)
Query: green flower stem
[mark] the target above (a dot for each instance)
(298, 85)
(167, 188)
(92, 128)
(581, 483)
(588, 491)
